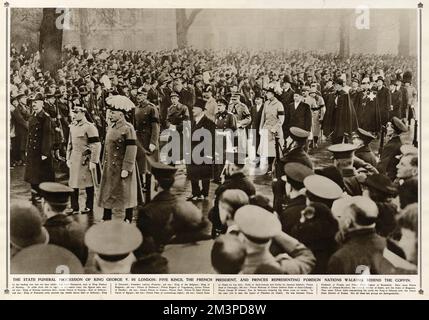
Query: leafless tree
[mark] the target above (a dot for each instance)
(183, 23)
(50, 41)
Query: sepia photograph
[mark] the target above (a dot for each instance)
(213, 141)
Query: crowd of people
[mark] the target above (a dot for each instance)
(101, 118)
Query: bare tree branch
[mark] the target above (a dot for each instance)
(192, 17)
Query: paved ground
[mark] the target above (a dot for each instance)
(178, 255)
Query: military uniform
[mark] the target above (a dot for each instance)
(83, 147)
(147, 131)
(166, 216)
(242, 114)
(119, 154)
(63, 230)
(346, 151)
(364, 152)
(113, 243)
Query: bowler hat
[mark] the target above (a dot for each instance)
(382, 183)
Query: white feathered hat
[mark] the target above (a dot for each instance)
(121, 103)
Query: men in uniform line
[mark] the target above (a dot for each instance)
(63, 230)
(147, 125)
(295, 173)
(45, 259)
(343, 159)
(113, 243)
(118, 187)
(39, 161)
(83, 156)
(364, 152)
(388, 159)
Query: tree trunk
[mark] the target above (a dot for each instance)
(182, 26)
(404, 34)
(344, 37)
(50, 41)
(84, 28)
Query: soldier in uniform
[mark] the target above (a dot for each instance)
(39, 161)
(242, 114)
(83, 155)
(166, 217)
(113, 243)
(317, 227)
(295, 151)
(63, 230)
(364, 152)
(147, 130)
(225, 122)
(295, 173)
(343, 159)
(118, 187)
(392, 149)
(177, 114)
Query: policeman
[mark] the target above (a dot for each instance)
(295, 173)
(295, 152)
(343, 159)
(364, 152)
(321, 189)
(118, 187)
(83, 154)
(45, 259)
(113, 243)
(147, 131)
(39, 161)
(63, 230)
(166, 216)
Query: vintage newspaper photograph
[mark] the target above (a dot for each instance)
(192, 150)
